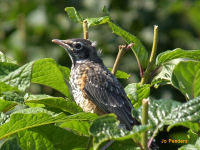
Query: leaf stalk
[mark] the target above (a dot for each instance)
(122, 50)
(152, 56)
(85, 30)
(145, 103)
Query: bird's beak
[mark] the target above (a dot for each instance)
(64, 43)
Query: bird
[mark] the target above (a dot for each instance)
(94, 88)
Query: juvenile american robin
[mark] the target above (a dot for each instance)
(94, 88)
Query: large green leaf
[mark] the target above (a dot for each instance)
(186, 78)
(168, 112)
(65, 105)
(137, 92)
(19, 78)
(35, 117)
(78, 127)
(107, 128)
(177, 53)
(73, 14)
(50, 137)
(138, 48)
(47, 72)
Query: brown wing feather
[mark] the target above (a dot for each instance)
(107, 93)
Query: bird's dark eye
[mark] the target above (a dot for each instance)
(78, 46)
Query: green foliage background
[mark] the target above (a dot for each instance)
(27, 28)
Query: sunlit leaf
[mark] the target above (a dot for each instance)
(164, 74)
(78, 127)
(50, 137)
(120, 74)
(19, 78)
(177, 53)
(65, 105)
(34, 117)
(107, 128)
(169, 112)
(186, 78)
(47, 72)
(137, 92)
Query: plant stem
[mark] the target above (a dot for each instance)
(152, 56)
(144, 122)
(85, 30)
(121, 52)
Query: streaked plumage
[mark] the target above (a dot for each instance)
(94, 87)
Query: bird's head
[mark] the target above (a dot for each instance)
(79, 49)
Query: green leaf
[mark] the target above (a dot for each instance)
(120, 74)
(13, 96)
(97, 21)
(6, 68)
(186, 78)
(107, 128)
(65, 105)
(138, 48)
(137, 92)
(3, 58)
(78, 127)
(34, 117)
(10, 144)
(19, 78)
(5, 87)
(66, 72)
(6, 105)
(50, 137)
(177, 53)
(164, 75)
(73, 14)
(196, 146)
(192, 136)
(47, 72)
(189, 111)
(168, 112)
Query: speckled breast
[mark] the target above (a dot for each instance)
(78, 79)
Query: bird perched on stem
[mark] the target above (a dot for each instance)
(94, 87)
